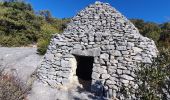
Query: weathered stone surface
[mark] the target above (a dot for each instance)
(90, 52)
(64, 63)
(49, 57)
(104, 56)
(147, 60)
(95, 75)
(100, 32)
(105, 76)
(120, 48)
(127, 77)
(117, 53)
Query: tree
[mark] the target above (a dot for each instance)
(165, 34)
(46, 14)
(148, 29)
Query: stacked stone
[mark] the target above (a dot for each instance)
(104, 33)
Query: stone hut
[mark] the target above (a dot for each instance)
(99, 47)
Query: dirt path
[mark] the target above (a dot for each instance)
(21, 61)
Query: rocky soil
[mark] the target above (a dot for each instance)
(19, 61)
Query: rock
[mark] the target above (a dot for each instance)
(117, 53)
(137, 50)
(85, 40)
(110, 93)
(49, 57)
(65, 63)
(104, 56)
(125, 52)
(93, 52)
(95, 75)
(65, 81)
(125, 82)
(147, 60)
(138, 58)
(127, 77)
(119, 71)
(110, 47)
(77, 52)
(91, 38)
(120, 48)
(61, 43)
(105, 76)
(77, 46)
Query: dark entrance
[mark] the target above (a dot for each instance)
(84, 70)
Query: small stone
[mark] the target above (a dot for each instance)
(127, 77)
(65, 81)
(130, 44)
(125, 82)
(117, 53)
(121, 48)
(125, 52)
(118, 35)
(119, 71)
(147, 60)
(59, 79)
(108, 82)
(110, 93)
(136, 50)
(113, 79)
(110, 47)
(85, 40)
(91, 38)
(49, 57)
(77, 46)
(102, 62)
(138, 58)
(52, 83)
(105, 76)
(104, 56)
(61, 43)
(122, 67)
(64, 63)
(120, 58)
(95, 75)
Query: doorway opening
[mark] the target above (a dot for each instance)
(84, 70)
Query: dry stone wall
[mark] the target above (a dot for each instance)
(104, 33)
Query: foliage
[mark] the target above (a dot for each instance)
(148, 29)
(42, 46)
(20, 26)
(153, 80)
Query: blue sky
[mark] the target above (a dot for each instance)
(149, 10)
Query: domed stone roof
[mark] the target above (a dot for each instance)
(111, 45)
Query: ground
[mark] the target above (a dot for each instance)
(22, 62)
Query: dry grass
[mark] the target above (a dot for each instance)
(11, 88)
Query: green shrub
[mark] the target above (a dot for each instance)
(153, 79)
(20, 26)
(42, 46)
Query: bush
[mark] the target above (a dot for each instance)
(11, 88)
(42, 46)
(154, 80)
(20, 26)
